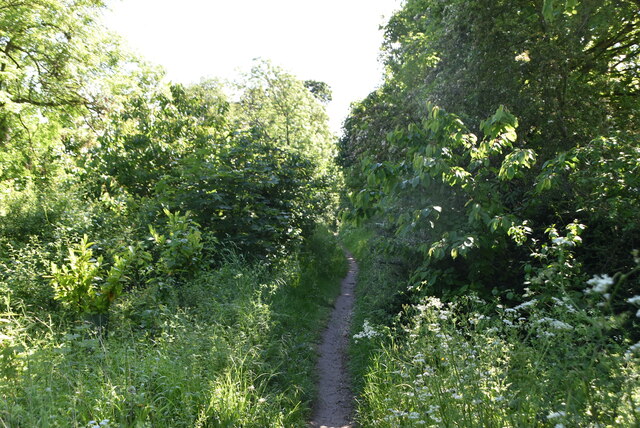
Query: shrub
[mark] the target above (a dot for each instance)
(180, 247)
(85, 285)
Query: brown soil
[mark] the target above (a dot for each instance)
(334, 406)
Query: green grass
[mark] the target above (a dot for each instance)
(378, 298)
(234, 347)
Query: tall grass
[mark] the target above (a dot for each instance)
(234, 347)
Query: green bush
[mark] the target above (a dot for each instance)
(21, 270)
(85, 285)
(180, 247)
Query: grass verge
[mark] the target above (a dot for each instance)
(234, 347)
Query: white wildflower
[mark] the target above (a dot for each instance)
(635, 300)
(555, 324)
(525, 305)
(477, 318)
(599, 284)
(565, 304)
(433, 302)
(367, 332)
(560, 325)
(433, 408)
(433, 327)
(555, 415)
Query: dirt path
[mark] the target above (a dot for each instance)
(334, 407)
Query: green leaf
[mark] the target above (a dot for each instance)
(548, 10)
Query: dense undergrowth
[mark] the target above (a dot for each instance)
(472, 362)
(232, 347)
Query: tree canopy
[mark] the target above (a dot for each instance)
(59, 71)
(563, 75)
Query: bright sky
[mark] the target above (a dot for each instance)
(335, 41)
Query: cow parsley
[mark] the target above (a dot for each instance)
(599, 284)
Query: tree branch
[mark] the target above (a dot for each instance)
(57, 103)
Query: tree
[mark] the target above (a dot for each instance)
(320, 90)
(568, 79)
(570, 73)
(155, 130)
(289, 114)
(177, 147)
(57, 65)
(47, 49)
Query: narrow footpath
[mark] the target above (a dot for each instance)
(334, 406)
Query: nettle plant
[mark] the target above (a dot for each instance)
(450, 193)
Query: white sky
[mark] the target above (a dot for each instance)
(334, 41)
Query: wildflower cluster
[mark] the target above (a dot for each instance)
(367, 332)
(464, 366)
(599, 284)
(635, 300)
